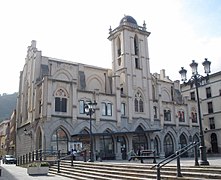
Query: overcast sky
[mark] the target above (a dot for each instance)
(181, 30)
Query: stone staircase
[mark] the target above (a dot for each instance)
(131, 171)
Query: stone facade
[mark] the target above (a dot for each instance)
(135, 109)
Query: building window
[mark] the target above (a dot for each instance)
(192, 96)
(167, 115)
(141, 105)
(60, 104)
(181, 116)
(118, 47)
(155, 111)
(138, 103)
(136, 47)
(212, 123)
(210, 107)
(194, 117)
(39, 107)
(81, 107)
(106, 109)
(137, 63)
(121, 90)
(208, 92)
(60, 101)
(123, 109)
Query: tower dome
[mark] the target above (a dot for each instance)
(128, 19)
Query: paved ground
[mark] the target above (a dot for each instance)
(13, 172)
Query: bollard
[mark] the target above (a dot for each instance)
(0, 172)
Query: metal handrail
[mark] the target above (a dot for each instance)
(177, 156)
(70, 155)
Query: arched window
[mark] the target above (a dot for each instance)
(118, 47)
(136, 52)
(136, 47)
(138, 103)
(60, 101)
(119, 51)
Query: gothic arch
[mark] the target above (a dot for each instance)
(166, 95)
(39, 138)
(62, 74)
(95, 82)
(157, 144)
(139, 101)
(60, 139)
(61, 92)
(169, 144)
(139, 139)
(118, 44)
(183, 141)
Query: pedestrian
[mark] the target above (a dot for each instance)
(74, 153)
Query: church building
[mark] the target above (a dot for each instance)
(134, 108)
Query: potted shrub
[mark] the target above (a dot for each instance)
(38, 168)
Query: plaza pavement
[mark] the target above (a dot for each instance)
(13, 172)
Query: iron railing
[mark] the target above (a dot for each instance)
(177, 155)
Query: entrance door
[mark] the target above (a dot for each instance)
(59, 141)
(168, 145)
(214, 143)
(122, 141)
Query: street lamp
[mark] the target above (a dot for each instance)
(90, 110)
(196, 79)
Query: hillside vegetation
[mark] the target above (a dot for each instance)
(7, 105)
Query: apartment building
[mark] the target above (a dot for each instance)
(210, 98)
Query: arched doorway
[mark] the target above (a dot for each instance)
(39, 140)
(183, 143)
(157, 145)
(168, 145)
(196, 139)
(139, 140)
(123, 147)
(107, 146)
(214, 143)
(59, 141)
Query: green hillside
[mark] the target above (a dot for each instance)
(7, 105)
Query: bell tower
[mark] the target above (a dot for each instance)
(130, 63)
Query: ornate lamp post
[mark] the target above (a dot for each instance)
(90, 110)
(196, 79)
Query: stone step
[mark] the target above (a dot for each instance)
(103, 174)
(131, 171)
(146, 169)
